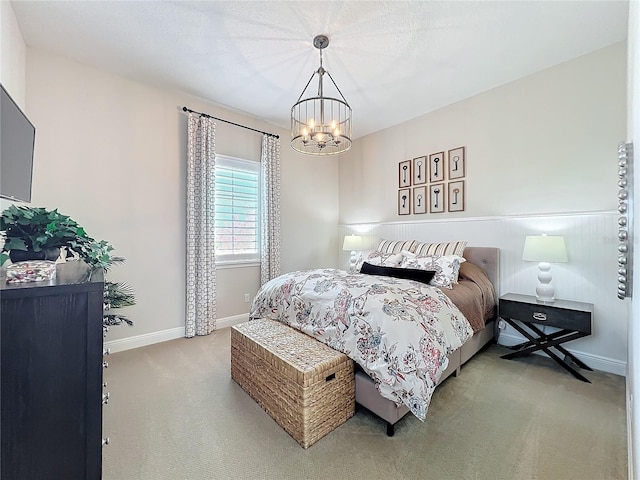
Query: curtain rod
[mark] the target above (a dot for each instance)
(185, 109)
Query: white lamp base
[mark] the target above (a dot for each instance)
(353, 261)
(544, 291)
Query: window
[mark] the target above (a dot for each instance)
(237, 205)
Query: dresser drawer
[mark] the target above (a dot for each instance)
(546, 315)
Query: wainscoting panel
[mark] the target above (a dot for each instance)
(589, 276)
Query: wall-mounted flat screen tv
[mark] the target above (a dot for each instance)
(17, 140)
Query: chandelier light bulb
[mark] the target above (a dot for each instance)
(312, 124)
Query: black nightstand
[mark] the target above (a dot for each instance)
(572, 318)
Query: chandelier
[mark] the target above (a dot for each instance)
(321, 125)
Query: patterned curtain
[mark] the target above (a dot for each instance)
(201, 263)
(270, 208)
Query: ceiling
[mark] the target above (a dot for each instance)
(392, 60)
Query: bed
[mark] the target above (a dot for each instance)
(405, 336)
(488, 259)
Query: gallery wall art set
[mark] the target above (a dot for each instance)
(433, 183)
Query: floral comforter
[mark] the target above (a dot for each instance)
(399, 331)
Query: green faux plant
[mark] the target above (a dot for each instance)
(38, 229)
(116, 296)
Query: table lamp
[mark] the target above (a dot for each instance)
(545, 249)
(354, 244)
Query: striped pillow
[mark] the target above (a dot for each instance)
(440, 249)
(396, 246)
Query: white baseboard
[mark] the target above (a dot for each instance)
(229, 321)
(630, 459)
(145, 339)
(594, 361)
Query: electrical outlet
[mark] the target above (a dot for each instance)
(246, 298)
(502, 325)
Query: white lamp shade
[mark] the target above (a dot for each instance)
(545, 248)
(352, 243)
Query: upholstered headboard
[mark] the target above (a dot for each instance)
(487, 258)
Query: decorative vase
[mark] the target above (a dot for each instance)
(24, 255)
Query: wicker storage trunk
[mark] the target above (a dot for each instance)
(307, 387)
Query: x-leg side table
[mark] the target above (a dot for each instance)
(524, 314)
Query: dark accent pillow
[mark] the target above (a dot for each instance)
(423, 276)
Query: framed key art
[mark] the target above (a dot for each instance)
(436, 198)
(404, 174)
(419, 200)
(456, 163)
(455, 196)
(404, 201)
(436, 167)
(420, 170)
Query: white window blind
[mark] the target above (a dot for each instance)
(237, 203)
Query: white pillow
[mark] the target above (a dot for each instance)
(446, 267)
(383, 259)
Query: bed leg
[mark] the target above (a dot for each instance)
(390, 429)
(457, 372)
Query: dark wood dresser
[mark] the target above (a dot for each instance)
(51, 364)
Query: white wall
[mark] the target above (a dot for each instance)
(12, 62)
(633, 134)
(541, 157)
(111, 153)
(536, 145)
(12, 55)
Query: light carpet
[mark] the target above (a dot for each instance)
(175, 413)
